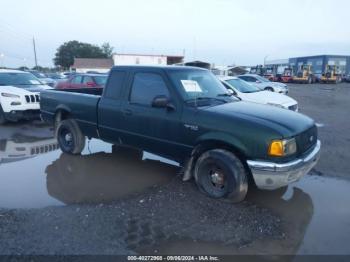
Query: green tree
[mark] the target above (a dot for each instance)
(66, 53)
(107, 49)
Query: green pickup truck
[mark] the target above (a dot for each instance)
(187, 115)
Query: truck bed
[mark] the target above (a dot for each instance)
(80, 103)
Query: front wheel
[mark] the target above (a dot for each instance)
(2, 116)
(220, 174)
(269, 89)
(70, 138)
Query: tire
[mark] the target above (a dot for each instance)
(220, 174)
(2, 117)
(70, 138)
(269, 89)
(56, 122)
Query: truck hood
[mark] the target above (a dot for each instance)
(26, 88)
(265, 97)
(286, 122)
(17, 91)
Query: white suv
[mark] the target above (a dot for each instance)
(19, 95)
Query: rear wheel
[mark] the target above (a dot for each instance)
(70, 137)
(220, 174)
(269, 89)
(2, 116)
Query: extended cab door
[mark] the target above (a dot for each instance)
(110, 114)
(144, 126)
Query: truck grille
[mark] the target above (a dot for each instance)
(32, 98)
(306, 140)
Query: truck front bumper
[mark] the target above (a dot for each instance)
(270, 176)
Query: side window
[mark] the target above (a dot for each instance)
(115, 84)
(76, 80)
(245, 78)
(249, 79)
(146, 86)
(87, 79)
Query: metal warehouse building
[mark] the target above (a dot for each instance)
(318, 63)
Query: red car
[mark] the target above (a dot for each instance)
(83, 81)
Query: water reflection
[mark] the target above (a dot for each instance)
(20, 143)
(295, 209)
(104, 177)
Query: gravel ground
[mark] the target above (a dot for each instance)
(171, 212)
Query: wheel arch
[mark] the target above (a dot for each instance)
(62, 112)
(214, 143)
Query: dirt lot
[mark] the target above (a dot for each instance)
(121, 202)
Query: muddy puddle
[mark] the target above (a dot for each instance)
(34, 173)
(316, 221)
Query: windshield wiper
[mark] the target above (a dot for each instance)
(226, 94)
(201, 98)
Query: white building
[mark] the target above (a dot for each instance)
(143, 59)
(103, 65)
(98, 65)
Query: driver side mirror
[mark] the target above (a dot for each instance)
(162, 102)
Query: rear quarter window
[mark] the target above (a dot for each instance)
(115, 84)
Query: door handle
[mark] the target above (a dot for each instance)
(127, 112)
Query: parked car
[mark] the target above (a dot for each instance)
(19, 95)
(251, 93)
(265, 84)
(347, 78)
(43, 78)
(187, 115)
(83, 81)
(56, 76)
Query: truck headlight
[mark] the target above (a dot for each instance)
(282, 147)
(10, 95)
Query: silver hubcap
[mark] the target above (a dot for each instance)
(68, 137)
(217, 179)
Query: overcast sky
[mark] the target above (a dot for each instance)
(218, 31)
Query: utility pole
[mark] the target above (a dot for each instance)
(2, 60)
(265, 59)
(36, 61)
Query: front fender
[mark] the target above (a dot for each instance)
(225, 139)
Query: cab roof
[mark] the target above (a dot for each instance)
(154, 67)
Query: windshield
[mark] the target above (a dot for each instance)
(101, 80)
(18, 79)
(39, 75)
(242, 86)
(261, 79)
(199, 85)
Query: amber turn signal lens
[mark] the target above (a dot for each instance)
(276, 148)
